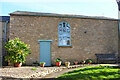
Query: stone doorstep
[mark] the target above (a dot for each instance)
(81, 65)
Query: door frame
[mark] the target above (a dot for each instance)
(50, 47)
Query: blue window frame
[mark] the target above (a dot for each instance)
(64, 34)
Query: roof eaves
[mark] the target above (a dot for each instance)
(4, 18)
(65, 16)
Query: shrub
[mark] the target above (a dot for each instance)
(58, 60)
(89, 60)
(42, 62)
(17, 51)
(82, 60)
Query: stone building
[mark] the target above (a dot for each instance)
(68, 37)
(4, 33)
(118, 2)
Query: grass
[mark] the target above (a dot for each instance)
(34, 69)
(93, 73)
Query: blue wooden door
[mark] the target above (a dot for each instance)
(45, 52)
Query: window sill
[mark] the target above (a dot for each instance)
(65, 46)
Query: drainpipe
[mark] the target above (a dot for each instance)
(0, 44)
(6, 29)
(4, 54)
(1, 57)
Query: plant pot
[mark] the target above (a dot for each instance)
(58, 63)
(17, 64)
(76, 63)
(67, 64)
(83, 62)
(89, 62)
(42, 65)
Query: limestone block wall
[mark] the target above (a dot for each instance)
(88, 36)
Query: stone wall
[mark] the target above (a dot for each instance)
(88, 36)
(119, 41)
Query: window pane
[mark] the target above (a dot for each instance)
(63, 24)
(64, 34)
(68, 42)
(64, 30)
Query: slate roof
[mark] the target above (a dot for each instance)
(4, 18)
(25, 13)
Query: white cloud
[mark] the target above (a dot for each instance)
(57, 0)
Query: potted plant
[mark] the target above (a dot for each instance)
(89, 61)
(83, 61)
(42, 64)
(58, 62)
(17, 51)
(76, 62)
(67, 64)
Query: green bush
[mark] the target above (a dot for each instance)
(82, 60)
(17, 51)
(58, 60)
(34, 69)
(42, 62)
(89, 60)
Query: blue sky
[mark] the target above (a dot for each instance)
(107, 8)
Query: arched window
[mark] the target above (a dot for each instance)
(64, 34)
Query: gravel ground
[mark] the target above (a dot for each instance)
(27, 72)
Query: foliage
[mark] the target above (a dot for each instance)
(42, 62)
(34, 69)
(17, 51)
(89, 60)
(82, 60)
(58, 60)
(93, 73)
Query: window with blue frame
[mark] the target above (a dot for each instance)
(64, 34)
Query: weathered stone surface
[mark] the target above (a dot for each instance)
(27, 72)
(88, 36)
